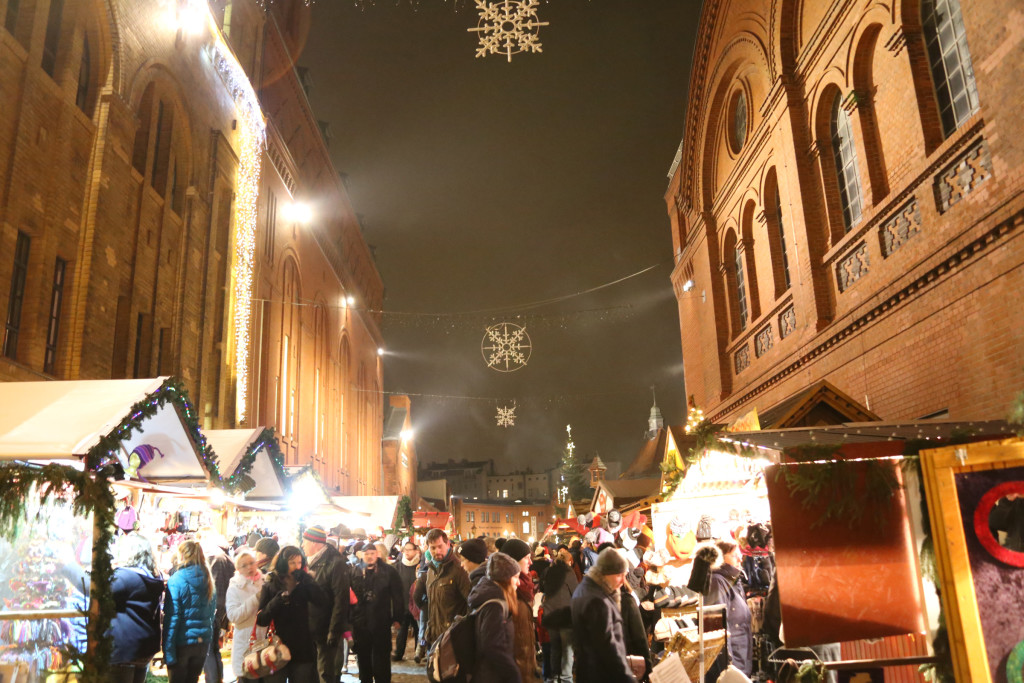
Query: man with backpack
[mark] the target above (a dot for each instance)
(447, 585)
(379, 603)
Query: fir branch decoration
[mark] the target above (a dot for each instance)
(403, 513)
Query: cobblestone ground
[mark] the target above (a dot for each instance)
(406, 671)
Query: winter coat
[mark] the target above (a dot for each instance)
(633, 632)
(727, 589)
(135, 628)
(495, 636)
(558, 585)
(447, 587)
(222, 569)
(329, 619)
(241, 605)
(525, 632)
(290, 613)
(597, 637)
(477, 574)
(407, 573)
(188, 613)
(379, 596)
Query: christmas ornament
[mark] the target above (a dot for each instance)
(506, 347)
(507, 27)
(506, 416)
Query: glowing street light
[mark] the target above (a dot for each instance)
(191, 18)
(298, 212)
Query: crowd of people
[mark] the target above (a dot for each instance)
(542, 612)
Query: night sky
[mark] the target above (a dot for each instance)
(486, 185)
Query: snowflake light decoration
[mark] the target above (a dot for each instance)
(508, 27)
(506, 347)
(506, 416)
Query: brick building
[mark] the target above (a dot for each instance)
(398, 461)
(846, 206)
(131, 222)
(466, 478)
(526, 519)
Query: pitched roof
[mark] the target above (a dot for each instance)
(647, 462)
(821, 403)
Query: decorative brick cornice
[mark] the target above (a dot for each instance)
(968, 252)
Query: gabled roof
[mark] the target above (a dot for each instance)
(625, 491)
(647, 462)
(822, 403)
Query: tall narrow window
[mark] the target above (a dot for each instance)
(316, 414)
(950, 62)
(741, 291)
(84, 70)
(52, 39)
(17, 295)
(846, 164)
(161, 149)
(268, 246)
(782, 237)
(53, 327)
(285, 391)
(11, 19)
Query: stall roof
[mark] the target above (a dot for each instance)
(373, 511)
(257, 450)
(63, 420)
(939, 431)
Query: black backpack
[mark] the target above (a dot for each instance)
(452, 657)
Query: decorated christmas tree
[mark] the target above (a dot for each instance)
(574, 481)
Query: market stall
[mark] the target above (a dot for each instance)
(61, 446)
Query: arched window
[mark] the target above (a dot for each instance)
(288, 383)
(950, 62)
(84, 76)
(845, 155)
(776, 229)
(345, 424)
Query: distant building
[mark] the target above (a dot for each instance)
(526, 520)
(465, 478)
(521, 485)
(398, 451)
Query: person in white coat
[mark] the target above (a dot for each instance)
(243, 602)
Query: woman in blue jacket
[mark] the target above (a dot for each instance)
(189, 606)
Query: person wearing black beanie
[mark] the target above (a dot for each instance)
(598, 640)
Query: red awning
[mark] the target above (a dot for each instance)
(422, 519)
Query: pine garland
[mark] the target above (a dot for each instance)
(239, 481)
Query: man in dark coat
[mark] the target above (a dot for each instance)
(447, 585)
(328, 620)
(727, 589)
(379, 603)
(633, 632)
(597, 623)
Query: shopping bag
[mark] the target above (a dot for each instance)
(266, 656)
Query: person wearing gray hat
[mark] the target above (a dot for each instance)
(598, 640)
(494, 600)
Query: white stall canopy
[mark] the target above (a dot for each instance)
(45, 422)
(237, 448)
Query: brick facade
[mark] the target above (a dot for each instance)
(909, 307)
(120, 145)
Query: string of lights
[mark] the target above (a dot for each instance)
(251, 138)
(536, 398)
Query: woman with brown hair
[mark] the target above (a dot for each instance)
(495, 598)
(189, 606)
(284, 600)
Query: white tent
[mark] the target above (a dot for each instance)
(234, 448)
(43, 422)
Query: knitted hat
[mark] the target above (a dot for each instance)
(356, 547)
(610, 561)
(501, 567)
(500, 541)
(474, 550)
(516, 548)
(316, 534)
(267, 546)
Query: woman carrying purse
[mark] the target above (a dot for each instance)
(242, 603)
(284, 600)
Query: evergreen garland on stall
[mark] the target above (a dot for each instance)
(90, 493)
(239, 482)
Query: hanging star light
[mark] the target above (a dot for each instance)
(506, 416)
(506, 347)
(508, 27)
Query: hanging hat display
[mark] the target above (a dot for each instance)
(613, 521)
(629, 538)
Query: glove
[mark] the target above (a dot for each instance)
(347, 635)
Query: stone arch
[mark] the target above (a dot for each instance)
(90, 51)
(916, 54)
(784, 34)
(160, 81)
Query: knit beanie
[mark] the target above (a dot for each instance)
(474, 550)
(501, 568)
(516, 548)
(316, 534)
(610, 561)
(267, 546)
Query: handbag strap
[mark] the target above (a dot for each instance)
(252, 636)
